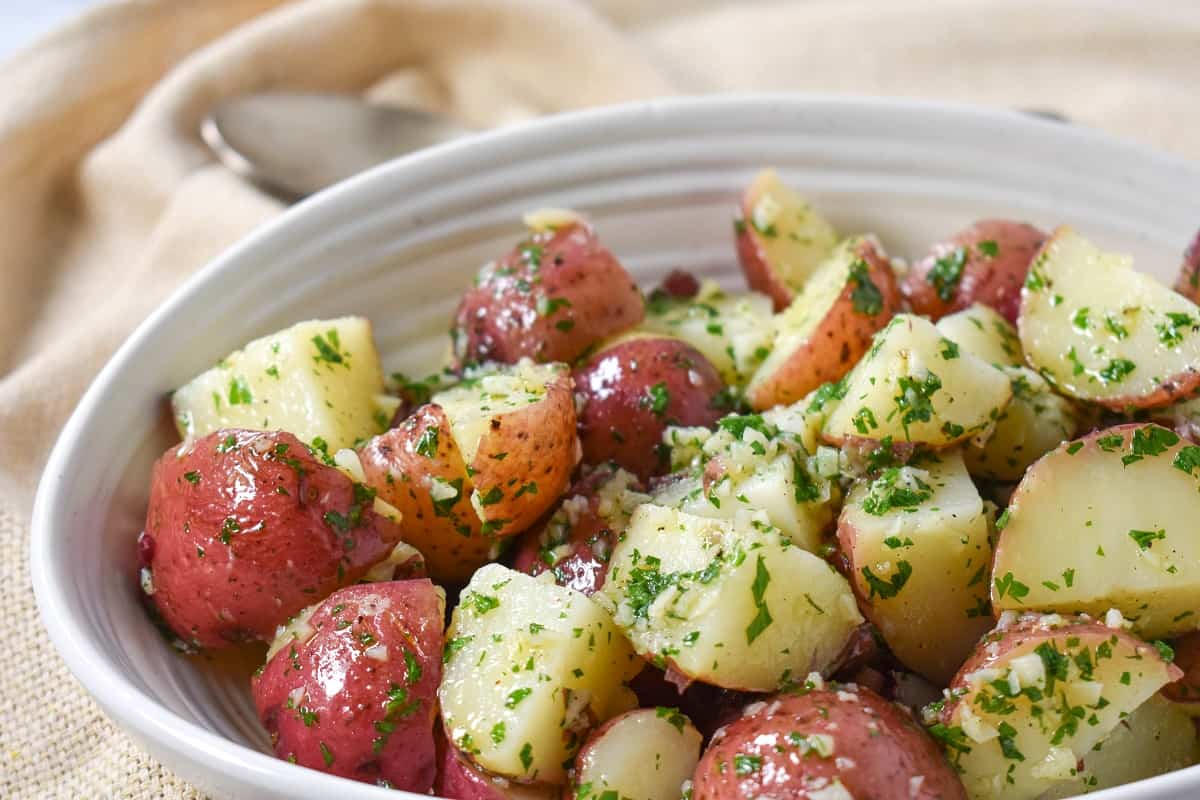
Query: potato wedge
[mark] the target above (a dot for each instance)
(1037, 695)
(829, 325)
(699, 595)
(781, 238)
(917, 386)
(530, 668)
(1034, 423)
(646, 754)
(834, 742)
(983, 263)
(1188, 282)
(1155, 739)
(984, 333)
(917, 542)
(733, 331)
(1107, 521)
(1104, 333)
(318, 380)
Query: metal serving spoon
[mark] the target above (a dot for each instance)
(293, 144)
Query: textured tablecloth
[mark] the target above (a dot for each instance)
(110, 200)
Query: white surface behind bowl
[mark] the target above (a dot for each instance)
(660, 181)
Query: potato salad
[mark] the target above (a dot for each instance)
(872, 528)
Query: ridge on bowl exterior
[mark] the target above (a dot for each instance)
(660, 181)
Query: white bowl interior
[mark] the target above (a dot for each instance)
(660, 182)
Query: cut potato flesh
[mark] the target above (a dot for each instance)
(645, 754)
(1024, 716)
(727, 602)
(318, 380)
(984, 333)
(733, 331)
(1034, 423)
(1108, 521)
(792, 236)
(555, 663)
(1104, 333)
(1155, 739)
(917, 539)
(916, 385)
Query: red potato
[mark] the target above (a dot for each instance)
(802, 746)
(829, 326)
(1186, 690)
(352, 689)
(556, 294)
(781, 239)
(246, 528)
(1188, 282)
(459, 779)
(577, 540)
(983, 263)
(647, 753)
(632, 390)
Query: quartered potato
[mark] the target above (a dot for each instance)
(319, 380)
(825, 743)
(645, 754)
(483, 460)
(727, 602)
(915, 385)
(1104, 333)
(733, 331)
(1037, 695)
(984, 263)
(781, 238)
(530, 669)
(829, 325)
(1107, 521)
(984, 333)
(916, 538)
(1035, 422)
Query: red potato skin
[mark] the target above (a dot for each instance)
(450, 538)
(708, 707)
(239, 535)
(499, 319)
(591, 538)
(349, 699)
(459, 779)
(1188, 282)
(619, 419)
(1187, 657)
(755, 266)
(994, 281)
(879, 748)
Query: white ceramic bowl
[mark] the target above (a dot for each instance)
(660, 181)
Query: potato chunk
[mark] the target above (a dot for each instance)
(983, 332)
(1034, 423)
(530, 668)
(727, 602)
(1037, 696)
(1105, 333)
(916, 385)
(1107, 521)
(316, 380)
(917, 541)
(645, 754)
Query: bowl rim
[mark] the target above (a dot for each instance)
(136, 712)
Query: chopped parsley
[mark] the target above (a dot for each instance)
(891, 587)
(1008, 585)
(762, 620)
(865, 296)
(946, 273)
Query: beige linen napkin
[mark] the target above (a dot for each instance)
(110, 200)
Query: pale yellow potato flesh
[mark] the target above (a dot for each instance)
(922, 567)
(911, 366)
(733, 331)
(726, 602)
(793, 235)
(1102, 523)
(1102, 332)
(1155, 739)
(472, 405)
(1018, 747)
(645, 754)
(318, 380)
(530, 667)
(985, 333)
(1034, 423)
